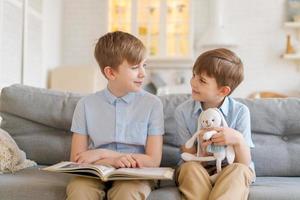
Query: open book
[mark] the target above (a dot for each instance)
(107, 173)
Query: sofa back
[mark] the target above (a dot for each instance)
(39, 120)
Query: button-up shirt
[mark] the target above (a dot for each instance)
(119, 124)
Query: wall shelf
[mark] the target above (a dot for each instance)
(295, 56)
(292, 24)
(295, 26)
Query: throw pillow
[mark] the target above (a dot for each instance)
(12, 158)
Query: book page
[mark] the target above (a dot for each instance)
(110, 173)
(147, 173)
(102, 170)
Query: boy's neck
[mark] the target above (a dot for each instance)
(216, 104)
(115, 91)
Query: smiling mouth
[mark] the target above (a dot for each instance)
(195, 92)
(138, 82)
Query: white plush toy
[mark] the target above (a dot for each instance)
(210, 118)
(11, 157)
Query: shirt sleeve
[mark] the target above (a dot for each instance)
(243, 125)
(183, 133)
(79, 120)
(156, 120)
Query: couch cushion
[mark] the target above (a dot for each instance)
(171, 156)
(170, 103)
(274, 116)
(275, 188)
(276, 135)
(171, 193)
(32, 183)
(39, 120)
(51, 108)
(43, 144)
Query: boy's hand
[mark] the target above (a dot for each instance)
(91, 156)
(204, 143)
(226, 136)
(126, 161)
(88, 157)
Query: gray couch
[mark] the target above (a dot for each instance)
(39, 120)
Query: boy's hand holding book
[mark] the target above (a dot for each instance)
(104, 156)
(126, 161)
(89, 156)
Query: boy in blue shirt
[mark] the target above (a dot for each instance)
(121, 125)
(216, 74)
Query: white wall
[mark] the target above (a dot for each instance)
(258, 29)
(256, 25)
(52, 36)
(83, 23)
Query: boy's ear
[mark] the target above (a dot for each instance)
(109, 73)
(225, 90)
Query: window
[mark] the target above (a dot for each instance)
(164, 26)
(20, 42)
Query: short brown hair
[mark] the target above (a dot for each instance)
(223, 65)
(115, 47)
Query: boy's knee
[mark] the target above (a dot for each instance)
(191, 171)
(129, 190)
(241, 169)
(190, 167)
(80, 186)
(82, 182)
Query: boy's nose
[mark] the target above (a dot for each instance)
(142, 72)
(192, 82)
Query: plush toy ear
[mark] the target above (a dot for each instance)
(223, 121)
(199, 126)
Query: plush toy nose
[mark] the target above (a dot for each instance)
(207, 123)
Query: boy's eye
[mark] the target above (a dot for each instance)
(202, 81)
(138, 66)
(135, 67)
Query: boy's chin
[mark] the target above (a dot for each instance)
(136, 89)
(196, 97)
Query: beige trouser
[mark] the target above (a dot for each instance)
(232, 183)
(81, 188)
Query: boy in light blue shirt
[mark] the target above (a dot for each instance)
(121, 125)
(216, 74)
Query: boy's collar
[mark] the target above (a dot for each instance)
(112, 98)
(224, 107)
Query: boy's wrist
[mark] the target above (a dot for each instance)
(101, 154)
(190, 150)
(106, 153)
(239, 139)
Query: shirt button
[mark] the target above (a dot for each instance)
(285, 138)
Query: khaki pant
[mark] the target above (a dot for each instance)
(81, 188)
(232, 183)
